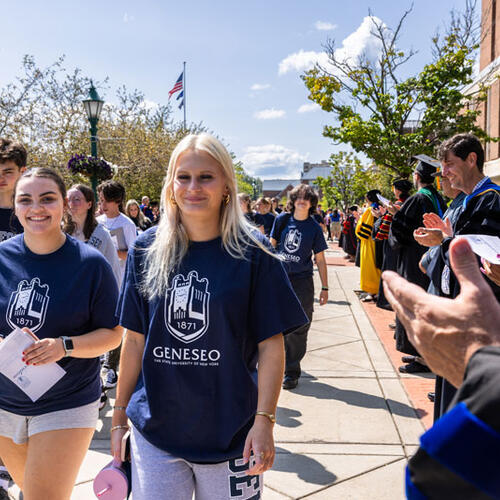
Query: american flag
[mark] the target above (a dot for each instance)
(177, 86)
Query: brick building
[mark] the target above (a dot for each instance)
(310, 172)
(489, 74)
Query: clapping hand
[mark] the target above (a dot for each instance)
(428, 237)
(433, 221)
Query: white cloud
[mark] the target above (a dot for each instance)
(273, 161)
(260, 86)
(302, 61)
(324, 26)
(308, 108)
(360, 43)
(128, 18)
(269, 114)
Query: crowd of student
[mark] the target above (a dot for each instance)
(185, 305)
(203, 298)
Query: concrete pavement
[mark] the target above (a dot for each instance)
(348, 428)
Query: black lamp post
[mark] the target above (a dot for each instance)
(93, 107)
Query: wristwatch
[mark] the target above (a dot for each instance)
(68, 346)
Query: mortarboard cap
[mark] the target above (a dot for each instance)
(426, 167)
(403, 185)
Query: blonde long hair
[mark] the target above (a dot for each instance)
(171, 242)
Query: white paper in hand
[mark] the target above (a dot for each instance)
(34, 381)
(485, 246)
(383, 200)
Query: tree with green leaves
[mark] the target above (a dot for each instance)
(391, 117)
(349, 180)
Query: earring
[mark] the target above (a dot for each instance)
(172, 200)
(226, 198)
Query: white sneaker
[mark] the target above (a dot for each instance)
(111, 380)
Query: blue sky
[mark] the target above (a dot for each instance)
(243, 59)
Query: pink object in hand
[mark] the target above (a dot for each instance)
(111, 483)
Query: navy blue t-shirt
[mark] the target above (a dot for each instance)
(69, 292)
(267, 220)
(196, 395)
(9, 224)
(296, 241)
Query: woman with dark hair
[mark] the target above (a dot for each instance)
(133, 211)
(250, 215)
(84, 227)
(264, 209)
(70, 320)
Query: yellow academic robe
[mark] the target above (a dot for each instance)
(370, 275)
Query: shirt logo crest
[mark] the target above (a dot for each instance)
(292, 240)
(28, 305)
(186, 307)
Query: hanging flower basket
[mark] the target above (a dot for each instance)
(90, 166)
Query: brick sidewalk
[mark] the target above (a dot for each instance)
(416, 386)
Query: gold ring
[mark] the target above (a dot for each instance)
(262, 455)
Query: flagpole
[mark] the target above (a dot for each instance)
(184, 73)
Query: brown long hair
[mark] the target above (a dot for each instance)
(90, 221)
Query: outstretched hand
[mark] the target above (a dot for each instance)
(448, 332)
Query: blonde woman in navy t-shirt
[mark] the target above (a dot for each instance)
(200, 309)
(64, 293)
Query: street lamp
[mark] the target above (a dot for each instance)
(93, 107)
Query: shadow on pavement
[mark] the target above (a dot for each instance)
(286, 417)
(310, 387)
(306, 468)
(334, 302)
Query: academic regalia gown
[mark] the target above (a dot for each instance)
(369, 275)
(409, 252)
(458, 458)
(481, 215)
(379, 245)
(389, 261)
(349, 241)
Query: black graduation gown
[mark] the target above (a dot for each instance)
(379, 244)
(409, 252)
(437, 478)
(481, 216)
(349, 242)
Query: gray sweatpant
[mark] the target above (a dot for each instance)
(159, 475)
